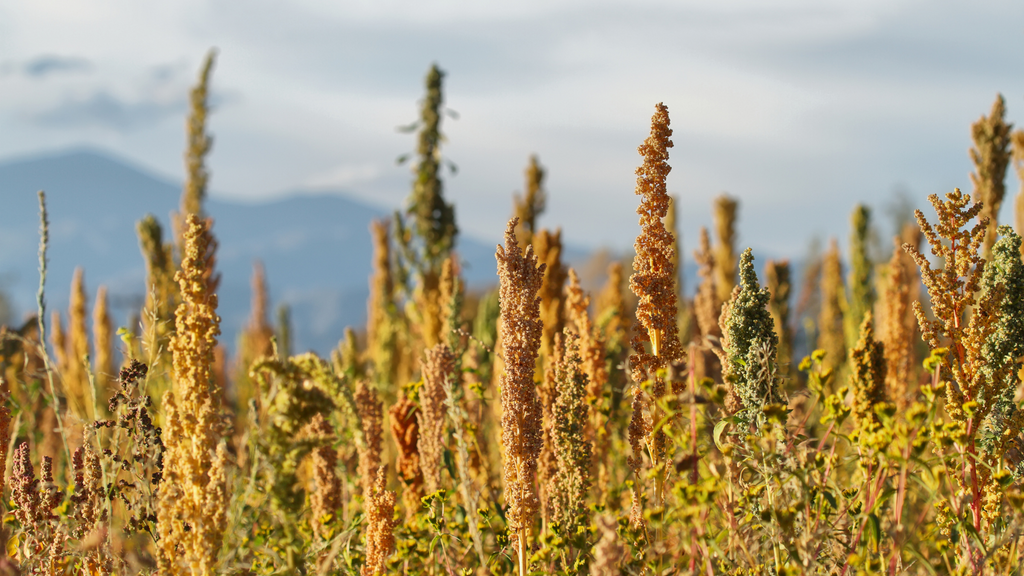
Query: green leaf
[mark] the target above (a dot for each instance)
(409, 128)
(831, 499)
(875, 526)
(719, 428)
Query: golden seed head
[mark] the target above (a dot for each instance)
(521, 422)
(438, 366)
(654, 277)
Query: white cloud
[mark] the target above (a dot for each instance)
(343, 176)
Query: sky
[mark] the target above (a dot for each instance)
(799, 108)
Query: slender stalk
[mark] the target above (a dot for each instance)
(692, 377)
(522, 533)
(771, 505)
(44, 241)
(901, 492)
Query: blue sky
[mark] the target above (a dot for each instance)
(800, 108)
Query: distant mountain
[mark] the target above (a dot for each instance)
(316, 247)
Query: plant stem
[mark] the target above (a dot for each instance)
(44, 241)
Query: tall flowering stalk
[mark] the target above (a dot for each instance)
(610, 319)
(611, 308)
(371, 418)
(59, 340)
(76, 381)
(749, 347)
(451, 295)
(547, 465)
(191, 515)
(862, 293)
(253, 343)
(707, 307)
(1017, 155)
(592, 353)
(325, 497)
(573, 445)
(1003, 351)
(592, 348)
(383, 331)
(671, 221)
(548, 247)
(777, 279)
(256, 335)
(531, 204)
(896, 330)
(831, 337)
(977, 311)
(521, 420)
(284, 330)
(438, 366)
(380, 538)
(161, 292)
(655, 333)
(653, 280)
(426, 236)
(467, 486)
(725, 212)
(433, 218)
(199, 143)
(102, 331)
(991, 156)
(867, 376)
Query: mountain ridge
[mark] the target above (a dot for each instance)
(314, 245)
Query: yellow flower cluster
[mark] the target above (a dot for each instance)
(191, 515)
